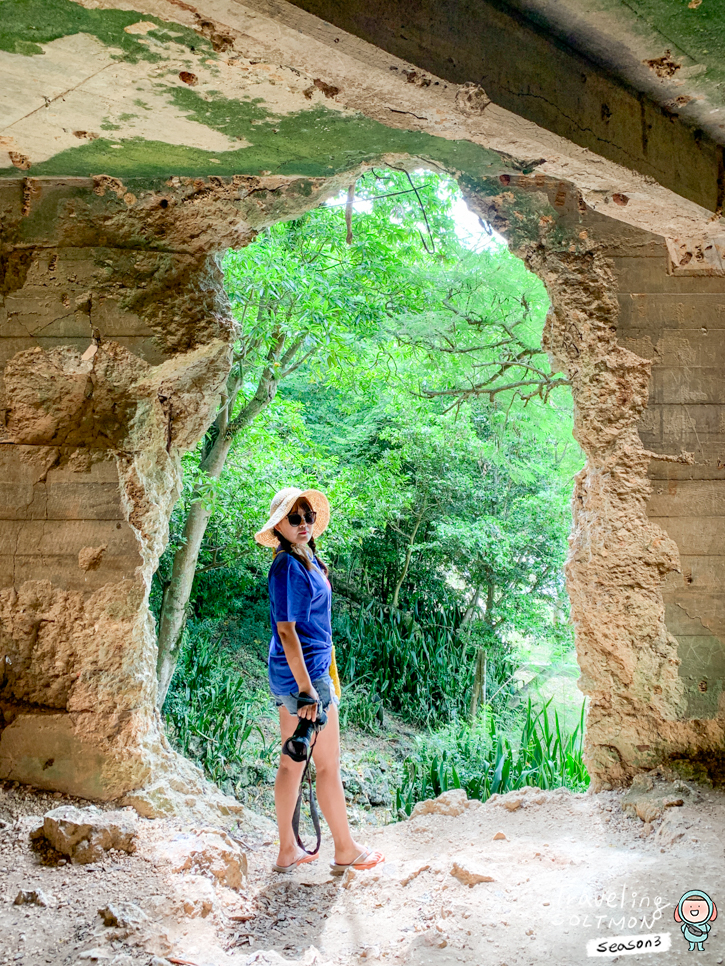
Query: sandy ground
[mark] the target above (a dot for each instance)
(571, 869)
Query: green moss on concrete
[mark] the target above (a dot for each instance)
(698, 32)
(236, 119)
(314, 143)
(26, 24)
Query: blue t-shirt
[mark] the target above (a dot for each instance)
(304, 596)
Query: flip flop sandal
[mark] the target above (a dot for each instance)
(286, 869)
(366, 860)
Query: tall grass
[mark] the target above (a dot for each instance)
(484, 760)
(421, 669)
(211, 715)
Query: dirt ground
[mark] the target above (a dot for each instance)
(569, 869)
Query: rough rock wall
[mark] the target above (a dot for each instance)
(114, 347)
(624, 570)
(677, 322)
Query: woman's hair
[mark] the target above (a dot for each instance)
(294, 549)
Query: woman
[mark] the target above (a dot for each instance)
(300, 655)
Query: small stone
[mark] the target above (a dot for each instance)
(499, 836)
(407, 879)
(85, 834)
(209, 851)
(469, 876)
(123, 915)
(31, 897)
(453, 802)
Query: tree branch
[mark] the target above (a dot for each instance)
(266, 388)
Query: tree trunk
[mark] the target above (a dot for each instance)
(479, 683)
(173, 609)
(174, 606)
(471, 609)
(479, 678)
(408, 555)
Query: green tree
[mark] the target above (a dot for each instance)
(406, 378)
(305, 293)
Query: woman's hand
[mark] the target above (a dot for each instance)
(309, 710)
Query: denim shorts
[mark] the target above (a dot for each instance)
(324, 687)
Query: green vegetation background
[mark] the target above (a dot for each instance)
(420, 401)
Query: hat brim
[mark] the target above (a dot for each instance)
(317, 500)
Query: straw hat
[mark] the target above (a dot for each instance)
(283, 502)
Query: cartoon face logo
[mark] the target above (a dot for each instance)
(695, 911)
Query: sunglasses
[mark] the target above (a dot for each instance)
(296, 518)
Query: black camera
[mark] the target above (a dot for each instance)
(298, 746)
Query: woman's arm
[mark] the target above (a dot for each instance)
(295, 658)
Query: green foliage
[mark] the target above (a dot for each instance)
(211, 715)
(360, 709)
(419, 399)
(26, 24)
(485, 761)
(421, 671)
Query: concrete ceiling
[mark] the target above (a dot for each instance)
(670, 50)
(640, 82)
(153, 89)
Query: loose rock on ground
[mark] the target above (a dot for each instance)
(453, 891)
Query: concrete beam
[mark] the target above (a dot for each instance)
(535, 74)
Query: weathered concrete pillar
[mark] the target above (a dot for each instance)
(619, 558)
(645, 574)
(113, 355)
(675, 318)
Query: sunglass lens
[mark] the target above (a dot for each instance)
(296, 518)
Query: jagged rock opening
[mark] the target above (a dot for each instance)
(115, 358)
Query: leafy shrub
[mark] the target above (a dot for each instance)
(211, 715)
(422, 671)
(483, 760)
(359, 708)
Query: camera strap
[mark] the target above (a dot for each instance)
(314, 815)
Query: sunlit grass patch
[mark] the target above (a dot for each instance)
(484, 760)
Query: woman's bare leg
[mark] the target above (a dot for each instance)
(286, 789)
(330, 793)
